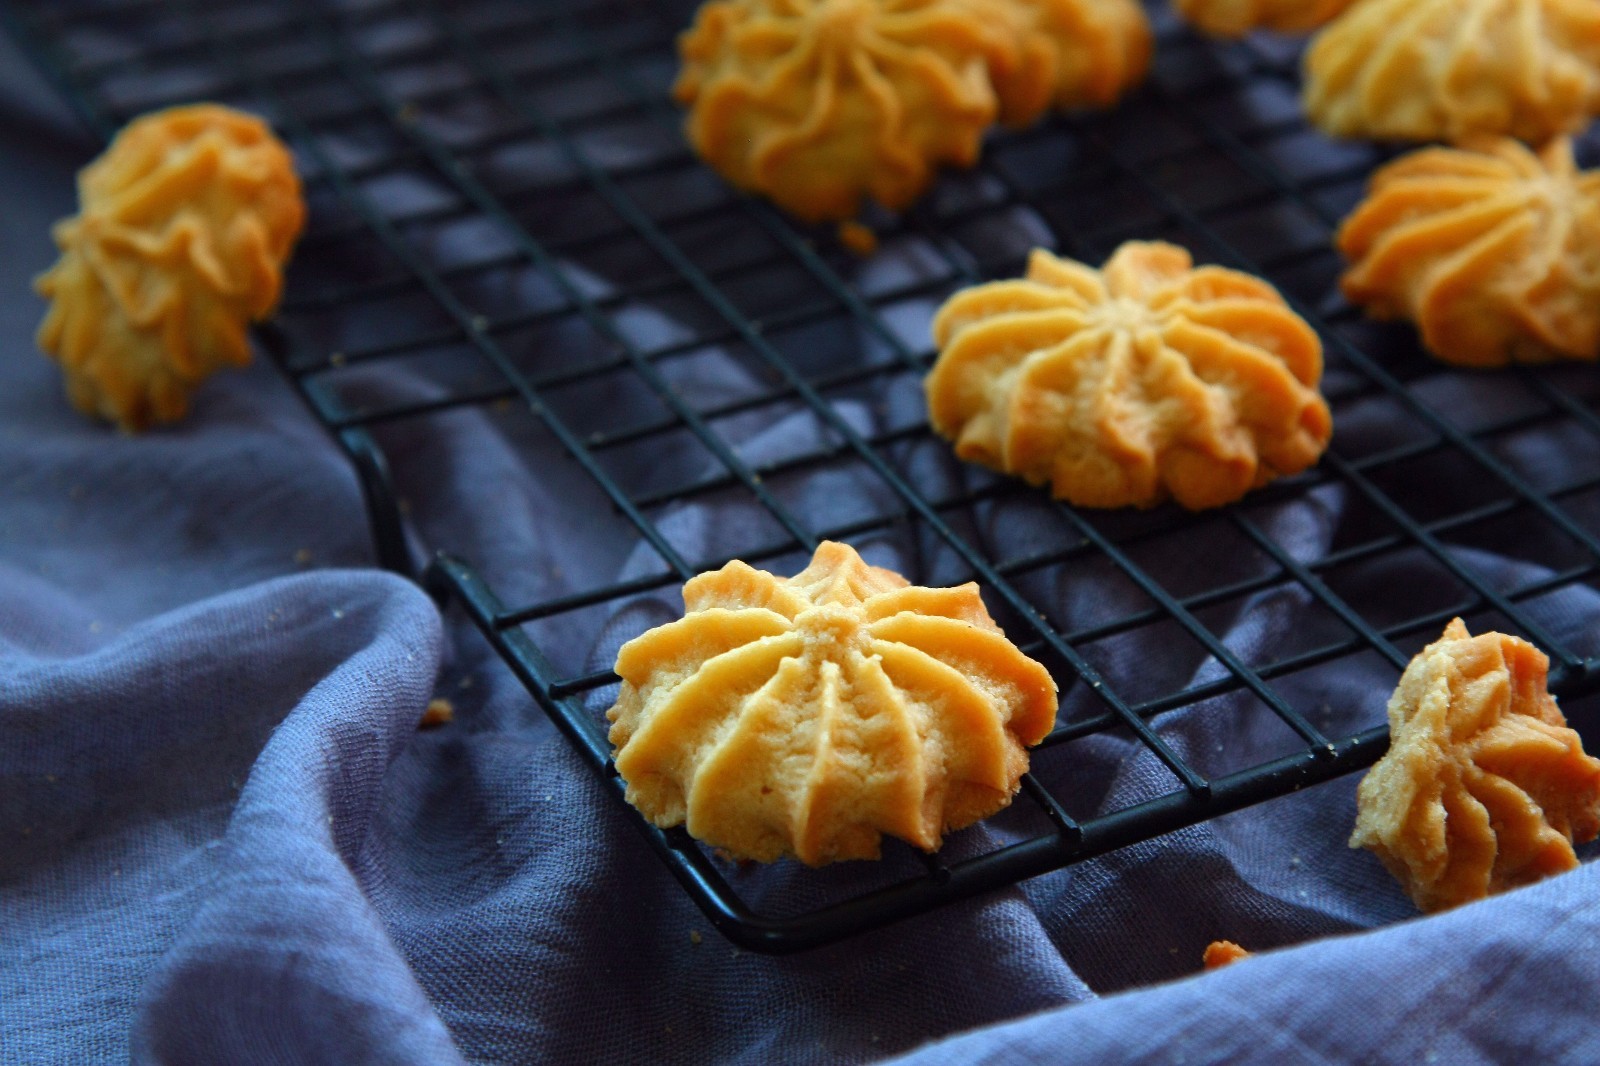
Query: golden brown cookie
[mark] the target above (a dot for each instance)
(184, 226)
(1446, 70)
(1484, 787)
(1066, 54)
(819, 104)
(809, 716)
(1235, 18)
(1492, 251)
(1125, 386)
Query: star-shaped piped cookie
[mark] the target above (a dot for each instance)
(822, 105)
(811, 716)
(184, 226)
(1484, 786)
(1446, 70)
(1145, 380)
(1493, 251)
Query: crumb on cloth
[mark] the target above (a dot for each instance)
(439, 712)
(1220, 953)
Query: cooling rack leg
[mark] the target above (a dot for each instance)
(383, 506)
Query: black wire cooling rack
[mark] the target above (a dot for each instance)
(545, 131)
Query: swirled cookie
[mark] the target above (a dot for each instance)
(1063, 53)
(1125, 386)
(809, 716)
(1493, 252)
(820, 103)
(1448, 69)
(183, 229)
(1235, 18)
(1484, 786)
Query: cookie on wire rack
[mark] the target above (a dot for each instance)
(1065, 54)
(811, 716)
(820, 104)
(184, 226)
(1143, 381)
(1446, 70)
(1492, 250)
(824, 105)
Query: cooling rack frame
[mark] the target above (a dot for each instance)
(226, 38)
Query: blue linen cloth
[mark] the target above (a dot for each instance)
(223, 838)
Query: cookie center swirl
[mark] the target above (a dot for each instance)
(1556, 191)
(1121, 313)
(842, 21)
(832, 630)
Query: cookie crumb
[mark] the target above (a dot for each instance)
(858, 238)
(439, 712)
(694, 936)
(1220, 953)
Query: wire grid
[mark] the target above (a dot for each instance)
(1212, 154)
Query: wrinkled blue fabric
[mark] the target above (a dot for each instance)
(223, 838)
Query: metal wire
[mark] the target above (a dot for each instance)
(326, 73)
